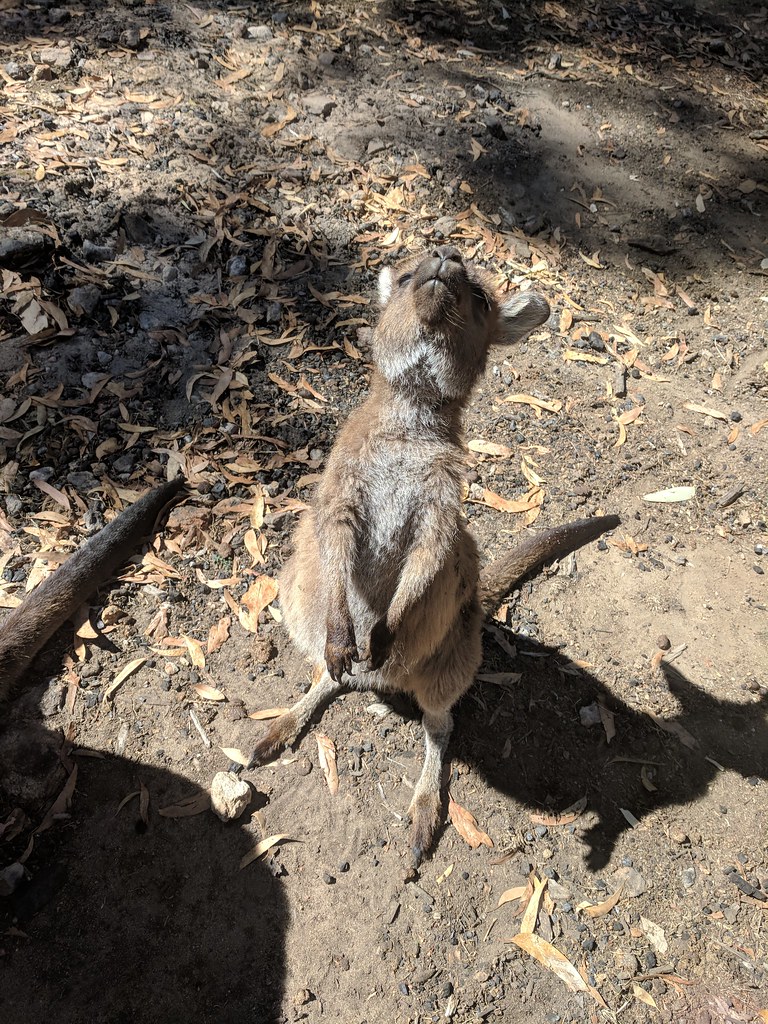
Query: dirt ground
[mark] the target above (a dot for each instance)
(195, 202)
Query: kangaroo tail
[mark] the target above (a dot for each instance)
(504, 574)
(27, 629)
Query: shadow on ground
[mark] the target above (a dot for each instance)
(129, 922)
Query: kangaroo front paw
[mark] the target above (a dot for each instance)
(340, 650)
(379, 645)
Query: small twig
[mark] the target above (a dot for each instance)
(198, 725)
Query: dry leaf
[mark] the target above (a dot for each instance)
(208, 692)
(645, 778)
(144, 804)
(126, 800)
(593, 260)
(52, 492)
(466, 825)
(645, 997)
(444, 874)
(261, 716)
(235, 754)
(552, 959)
(476, 149)
(676, 729)
(489, 448)
(121, 676)
(517, 892)
(187, 807)
(253, 602)
(61, 804)
(537, 404)
(261, 848)
(326, 752)
(692, 407)
(195, 651)
(655, 935)
(607, 719)
(565, 817)
(528, 924)
(218, 634)
(601, 909)
(671, 494)
(533, 500)
(576, 355)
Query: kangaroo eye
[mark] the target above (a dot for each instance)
(403, 280)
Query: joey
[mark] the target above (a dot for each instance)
(384, 590)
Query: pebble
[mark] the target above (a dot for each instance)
(403, 988)
(318, 104)
(328, 878)
(343, 866)
(230, 795)
(688, 877)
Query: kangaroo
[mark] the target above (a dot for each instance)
(29, 627)
(384, 590)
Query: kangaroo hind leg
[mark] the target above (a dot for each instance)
(286, 729)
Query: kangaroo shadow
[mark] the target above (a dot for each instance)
(127, 921)
(553, 760)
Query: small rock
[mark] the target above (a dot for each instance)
(97, 253)
(589, 715)
(261, 32)
(230, 795)
(16, 71)
(130, 38)
(632, 881)
(688, 877)
(13, 505)
(84, 481)
(137, 229)
(10, 878)
(328, 878)
(663, 643)
(53, 699)
(59, 57)
(58, 15)
(318, 104)
(736, 416)
(495, 128)
(84, 299)
(22, 248)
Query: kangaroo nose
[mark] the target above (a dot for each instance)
(447, 253)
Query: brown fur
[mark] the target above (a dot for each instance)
(28, 627)
(384, 588)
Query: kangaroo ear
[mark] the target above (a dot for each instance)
(519, 315)
(386, 284)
